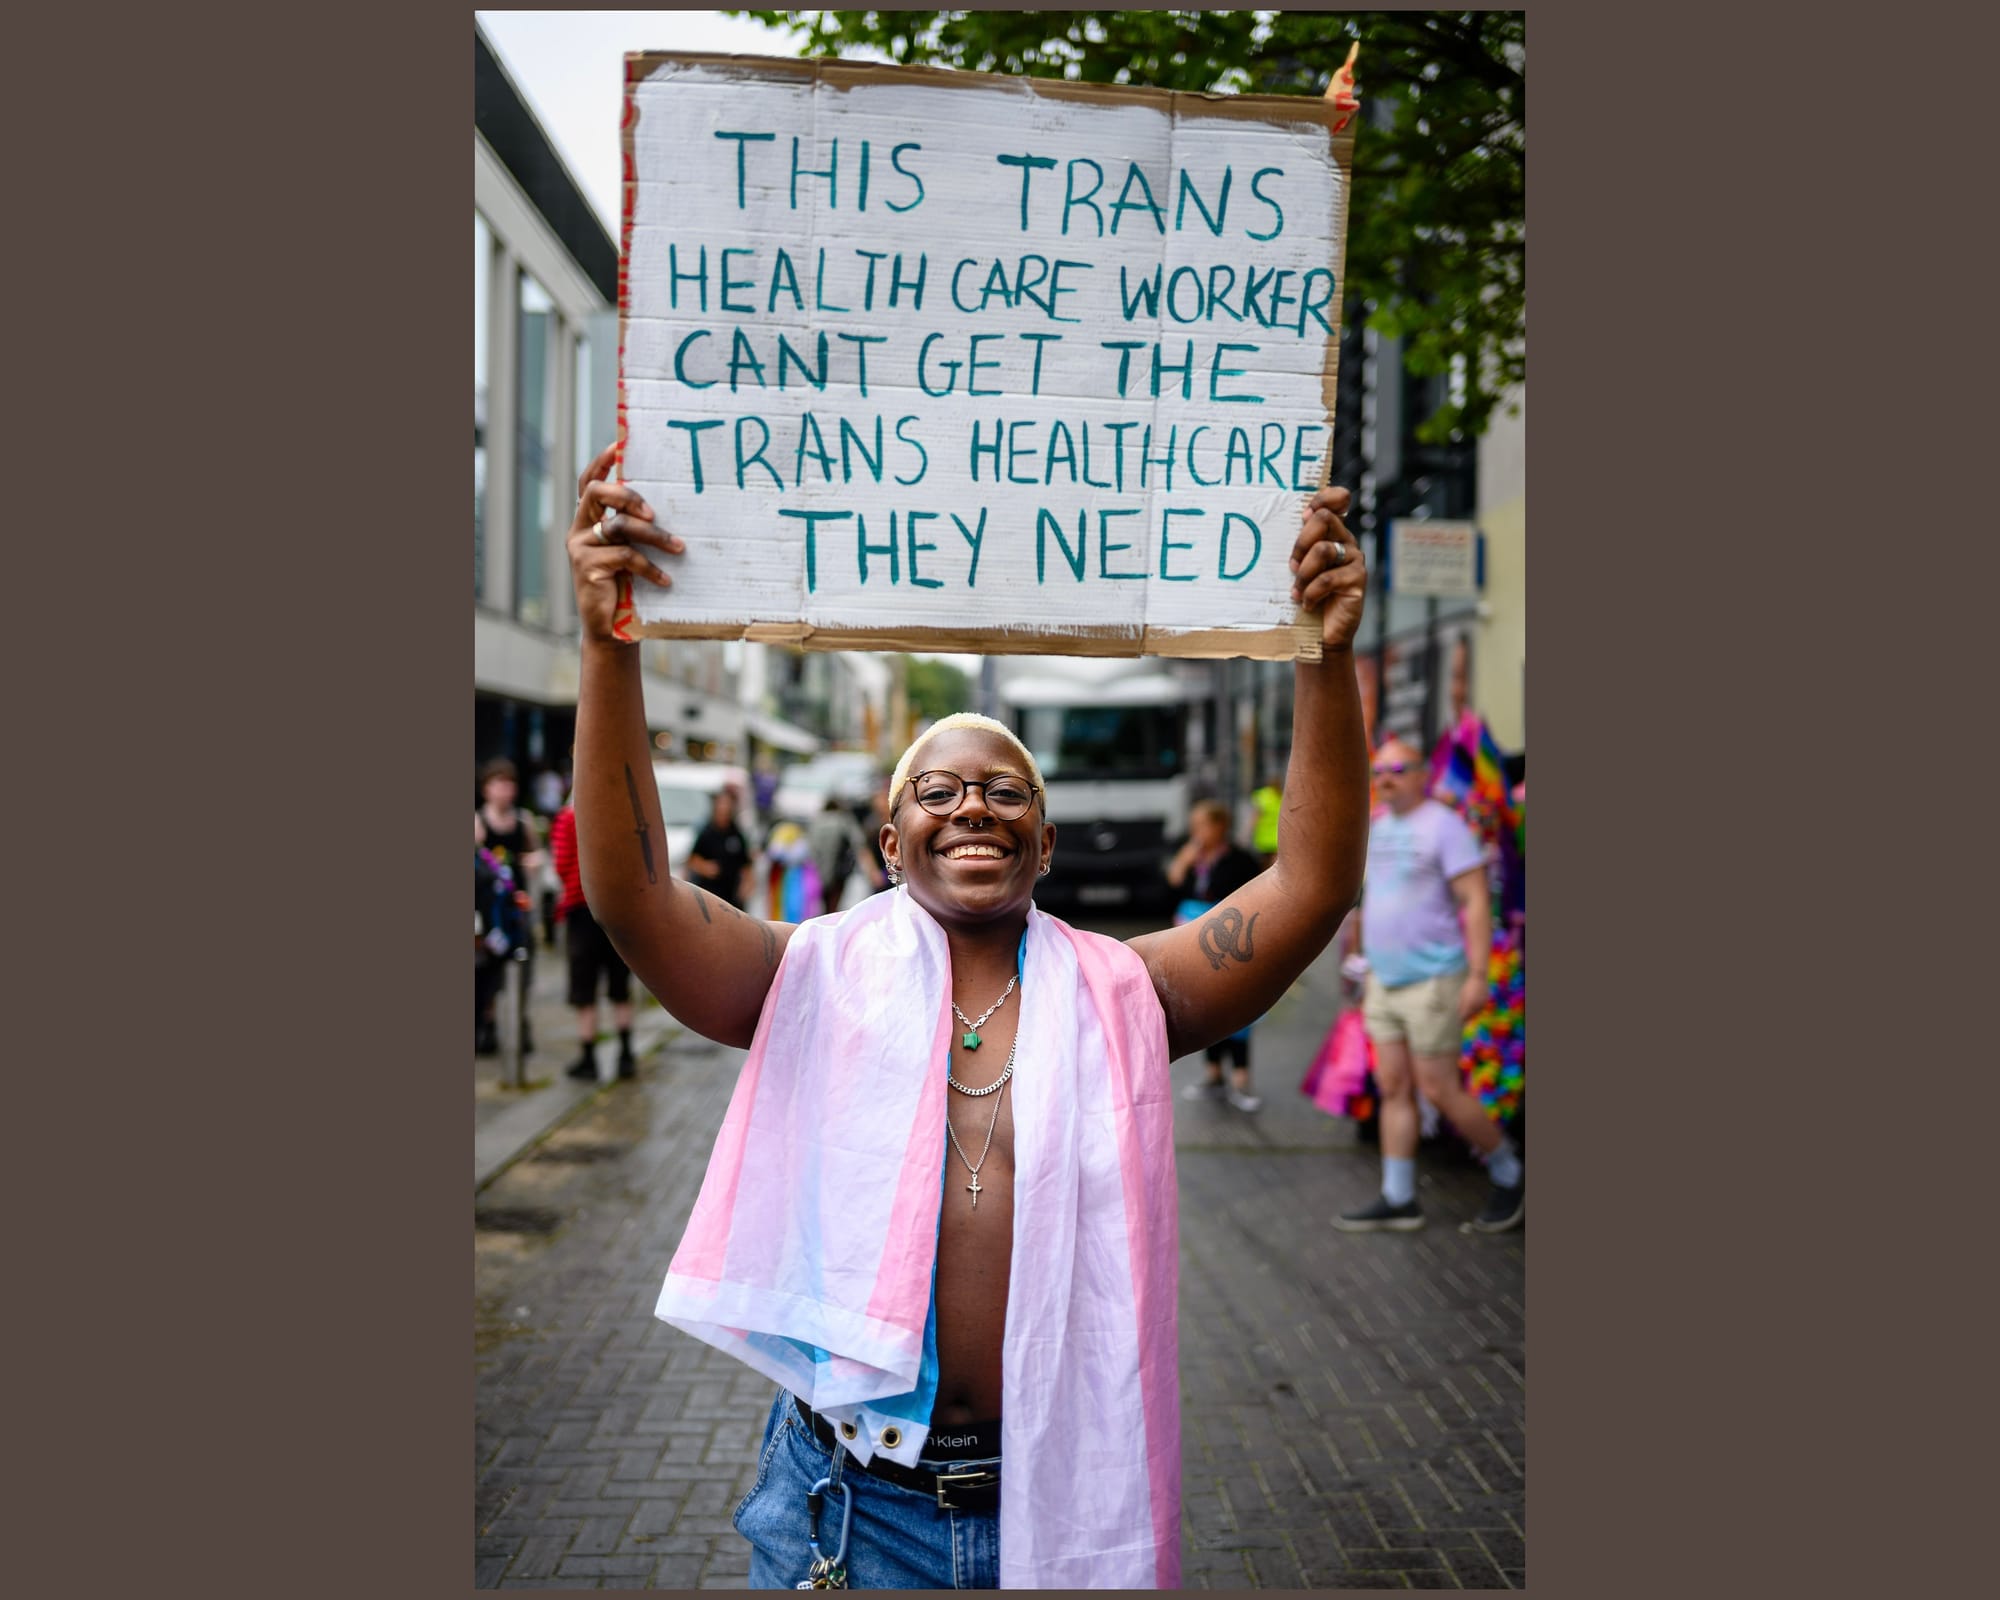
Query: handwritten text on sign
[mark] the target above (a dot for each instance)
(903, 355)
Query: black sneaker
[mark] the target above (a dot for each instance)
(585, 1066)
(1504, 1210)
(628, 1065)
(1380, 1215)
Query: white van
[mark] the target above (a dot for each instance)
(849, 776)
(687, 795)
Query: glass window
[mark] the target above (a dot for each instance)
(1105, 741)
(535, 505)
(482, 331)
(587, 446)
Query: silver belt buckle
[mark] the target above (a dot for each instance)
(969, 1480)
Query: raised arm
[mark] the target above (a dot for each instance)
(1227, 968)
(710, 964)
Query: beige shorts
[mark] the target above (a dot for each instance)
(1424, 1013)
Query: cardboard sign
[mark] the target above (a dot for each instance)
(916, 359)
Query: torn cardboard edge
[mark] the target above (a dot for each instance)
(1302, 641)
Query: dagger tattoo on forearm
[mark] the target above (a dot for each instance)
(639, 816)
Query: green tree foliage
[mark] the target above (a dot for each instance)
(1437, 235)
(935, 689)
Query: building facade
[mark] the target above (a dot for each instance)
(545, 394)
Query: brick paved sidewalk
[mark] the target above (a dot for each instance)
(1353, 1407)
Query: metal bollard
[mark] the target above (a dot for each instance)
(512, 1008)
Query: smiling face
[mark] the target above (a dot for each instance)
(971, 867)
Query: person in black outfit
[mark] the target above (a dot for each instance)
(719, 860)
(516, 842)
(1207, 870)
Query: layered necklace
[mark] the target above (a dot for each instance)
(971, 1042)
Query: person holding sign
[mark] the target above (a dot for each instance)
(941, 1210)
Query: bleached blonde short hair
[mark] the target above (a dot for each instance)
(963, 719)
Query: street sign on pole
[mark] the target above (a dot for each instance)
(1438, 560)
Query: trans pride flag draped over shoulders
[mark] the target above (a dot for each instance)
(1467, 774)
(811, 1249)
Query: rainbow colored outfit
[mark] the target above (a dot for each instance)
(811, 1251)
(1467, 775)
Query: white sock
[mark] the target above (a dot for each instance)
(1399, 1179)
(1503, 1166)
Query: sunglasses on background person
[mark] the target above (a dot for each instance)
(1391, 769)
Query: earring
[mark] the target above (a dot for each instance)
(894, 874)
(1045, 868)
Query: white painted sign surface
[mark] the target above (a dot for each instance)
(1439, 559)
(907, 359)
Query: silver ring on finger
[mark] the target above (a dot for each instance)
(597, 532)
(1339, 554)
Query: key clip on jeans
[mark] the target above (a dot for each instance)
(828, 1572)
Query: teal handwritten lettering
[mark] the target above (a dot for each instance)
(1187, 192)
(809, 431)
(1045, 523)
(910, 530)
(1222, 550)
(694, 433)
(831, 174)
(680, 354)
(1028, 165)
(896, 161)
(1169, 543)
(1071, 198)
(974, 537)
(1105, 546)
(812, 521)
(744, 141)
(1217, 372)
(1276, 210)
(923, 455)
(756, 457)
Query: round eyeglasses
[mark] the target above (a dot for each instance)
(939, 793)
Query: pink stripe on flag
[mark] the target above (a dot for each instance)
(704, 1246)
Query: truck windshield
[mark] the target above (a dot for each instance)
(1094, 742)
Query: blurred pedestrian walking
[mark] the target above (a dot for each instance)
(591, 957)
(764, 785)
(1207, 870)
(1425, 929)
(839, 851)
(550, 788)
(515, 842)
(1268, 801)
(719, 859)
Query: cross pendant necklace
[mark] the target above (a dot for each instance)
(997, 1090)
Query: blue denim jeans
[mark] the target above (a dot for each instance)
(898, 1539)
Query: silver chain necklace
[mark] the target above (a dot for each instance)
(975, 1187)
(971, 1037)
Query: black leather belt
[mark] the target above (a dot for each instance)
(973, 1490)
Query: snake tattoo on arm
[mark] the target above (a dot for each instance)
(1225, 934)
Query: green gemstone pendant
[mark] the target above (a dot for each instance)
(970, 1041)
